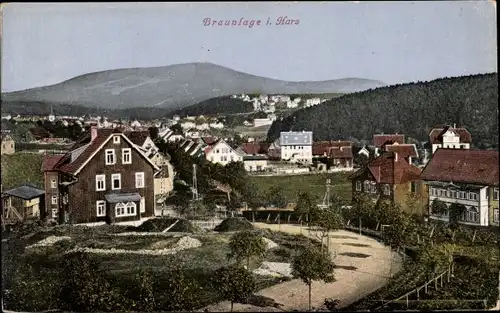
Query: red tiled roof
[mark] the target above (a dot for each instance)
(323, 147)
(403, 150)
(463, 166)
(255, 147)
(386, 170)
(380, 140)
(341, 152)
(39, 132)
(209, 140)
(436, 135)
(50, 160)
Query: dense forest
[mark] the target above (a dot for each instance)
(214, 106)
(412, 109)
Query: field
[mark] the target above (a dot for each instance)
(144, 253)
(312, 183)
(21, 168)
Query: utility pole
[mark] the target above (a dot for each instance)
(195, 184)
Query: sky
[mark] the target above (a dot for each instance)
(394, 42)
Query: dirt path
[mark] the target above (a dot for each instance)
(371, 258)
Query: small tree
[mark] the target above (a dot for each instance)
(305, 205)
(275, 197)
(313, 264)
(244, 245)
(456, 211)
(438, 207)
(328, 220)
(234, 283)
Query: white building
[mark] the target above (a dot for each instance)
(312, 102)
(296, 146)
(188, 125)
(456, 176)
(450, 137)
(135, 123)
(292, 104)
(217, 125)
(255, 163)
(220, 152)
(203, 126)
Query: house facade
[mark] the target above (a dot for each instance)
(296, 146)
(450, 137)
(407, 151)
(340, 152)
(390, 177)
(8, 144)
(467, 177)
(255, 163)
(222, 153)
(104, 175)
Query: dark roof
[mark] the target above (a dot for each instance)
(122, 197)
(255, 147)
(209, 140)
(387, 170)
(343, 152)
(6, 136)
(380, 140)
(138, 137)
(25, 192)
(436, 135)
(463, 166)
(403, 150)
(323, 147)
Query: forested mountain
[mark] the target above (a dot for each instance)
(412, 109)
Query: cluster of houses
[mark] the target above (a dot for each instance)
(455, 173)
(267, 103)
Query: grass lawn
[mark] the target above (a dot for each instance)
(313, 184)
(21, 168)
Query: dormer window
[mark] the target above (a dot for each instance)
(116, 139)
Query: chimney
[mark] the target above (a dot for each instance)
(395, 156)
(454, 125)
(93, 133)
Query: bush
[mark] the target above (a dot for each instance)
(234, 224)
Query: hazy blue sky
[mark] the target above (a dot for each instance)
(393, 42)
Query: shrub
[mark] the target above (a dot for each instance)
(234, 224)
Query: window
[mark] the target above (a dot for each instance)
(100, 182)
(142, 205)
(54, 199)
(110, 157)
(440, 193)
(461, 195)
(448, 193)
(454, 194)
(473, 196)
(413, 187)
(53, 184)
(116, 181)
(374, 187)
(101, 208)
(54, 213)
(387, 189)
(127, 156)
(139, 180)
(116, 139)
(358, 186)
(495, 194)
(495, 216)
(122, 209)
(367, 186)
(471, 215)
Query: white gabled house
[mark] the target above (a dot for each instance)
(222, 153)
(450, 137)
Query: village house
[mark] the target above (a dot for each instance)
(255, 148)
(22, 203)
(450, 137)
(340, 152)
(467, 177)
(222, 153)
(406, 151)
(104, 175)
(8, 144)
(37, 133)
(274, 150)
(390, 177)
(255, 163)
(296, 146)
(192, 147)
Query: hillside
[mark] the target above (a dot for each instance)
(173, 86)
(214, 106)
(413, 109)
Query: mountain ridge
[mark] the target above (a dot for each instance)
(174, 86)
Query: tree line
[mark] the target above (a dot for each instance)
(413, 109)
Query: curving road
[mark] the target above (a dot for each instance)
(373, 267)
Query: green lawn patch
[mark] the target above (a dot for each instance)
(313, 184)
(21, 168)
